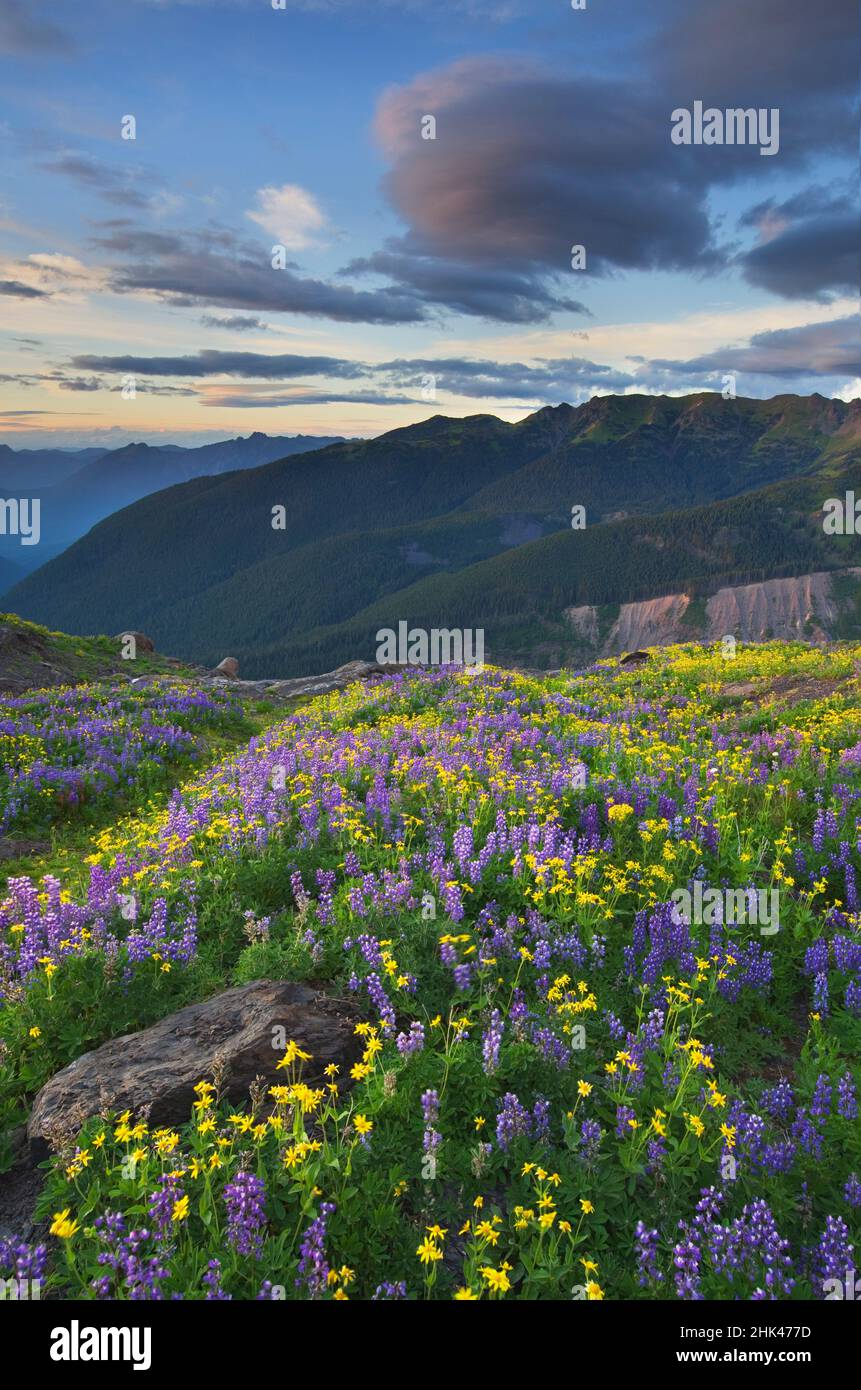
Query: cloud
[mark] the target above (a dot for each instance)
(290, 214)
(242, 400)
(831, 348)
(773, 52)
(23, 33)
(236, 323)
(211, 362)
(80, 384)
(550, 379)
(502, 295)
(48, 274)
(546, 380)
(215, 267)
(809, 246)
(18, 290)
(528, 162)
(113, 185)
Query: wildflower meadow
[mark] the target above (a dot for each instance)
(568, 1083)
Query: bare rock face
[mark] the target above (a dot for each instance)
(229, 668)
(302, 686)
(245, 1029)
(142, 642)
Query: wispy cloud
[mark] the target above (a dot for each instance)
(290, 214)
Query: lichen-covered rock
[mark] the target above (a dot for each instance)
(244, 1029)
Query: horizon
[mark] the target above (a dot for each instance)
(182, 442)
(429, 207)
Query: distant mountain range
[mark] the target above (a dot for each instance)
(78, 488)
(467, 523)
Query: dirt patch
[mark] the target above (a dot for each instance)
(789, 690)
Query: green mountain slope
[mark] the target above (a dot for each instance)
(371, 526)
(519, 597)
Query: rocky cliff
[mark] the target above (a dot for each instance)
(810, 608)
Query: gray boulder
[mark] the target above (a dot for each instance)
(244, 1029)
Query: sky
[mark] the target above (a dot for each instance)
(343, 216)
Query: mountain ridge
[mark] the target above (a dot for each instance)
(462, 520)
(107, 481)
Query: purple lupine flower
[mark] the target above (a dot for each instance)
(513, 1121)
(647, 1251)
(212, 1279)
(852, 1191)
(313, 1266)
(832, 1256)
(430, 1107)
(244, 1198)
(162, 1203)
(591, 1135)
(820, 1103)
(847, 1103)
(413, 1041)
(491, 1043)
(389, 1293)
(686, 1261)
(22, 1262)
(139, 1276)
(624, 1116)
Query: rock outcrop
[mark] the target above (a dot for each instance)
(228, 667)
(303, 687)
(799, 608)
(244, 1030)
(141, 641)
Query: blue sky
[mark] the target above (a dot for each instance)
(422, 276)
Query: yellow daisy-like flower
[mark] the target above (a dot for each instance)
(428, 1252)
(496, 1279)
(293, 1053)
(61, 1225)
